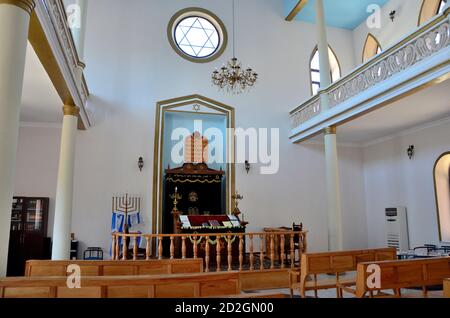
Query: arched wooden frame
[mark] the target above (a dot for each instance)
(428, 10)
(370, 48)
(311, 82)
(436, 192)
(174, 105)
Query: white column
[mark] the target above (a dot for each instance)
(64, 187)
(335, 241)
(322, 45)
(14, 24)
(331, 157)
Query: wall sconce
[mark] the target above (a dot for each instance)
(411, 152)
(140, 163)
(392, 15)
(247, 166)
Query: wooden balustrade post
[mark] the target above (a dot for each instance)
(183, 247)
(241, 252)
(250, 249)
(160, 246)
(135, 248)
(172, 248)
(117, 248)
(292, 251)
(147, 248)
(283, 254)
(207, 254)
(113, 252)
(261, 252)
(230, 255)
(195, 247)
(124, 248)
(272, 252)
(218, 256)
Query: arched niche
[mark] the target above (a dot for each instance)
(194, 106)
(429, 9)
(441, 174)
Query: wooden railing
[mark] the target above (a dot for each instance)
(231, 251)
(425, 41)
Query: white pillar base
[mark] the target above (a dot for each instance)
(14, 23)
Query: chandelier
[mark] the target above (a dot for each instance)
(232, 77)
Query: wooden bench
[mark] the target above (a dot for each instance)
(157, 286)
(333, 263)
(115, 268)
(397, 275)
(447, 288)
(269, 295)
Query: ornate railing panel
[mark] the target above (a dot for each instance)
(220, 251)
(421, 44)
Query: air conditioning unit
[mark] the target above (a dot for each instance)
(397, 229)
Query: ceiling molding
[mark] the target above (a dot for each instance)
(40, 125)
(53, 43)
(298, 7)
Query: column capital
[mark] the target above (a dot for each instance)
(70, 110)
(27, 5)
(330, 130)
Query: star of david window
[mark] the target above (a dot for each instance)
(197, 35)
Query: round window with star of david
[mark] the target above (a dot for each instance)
(197, 35)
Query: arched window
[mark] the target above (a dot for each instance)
(429, 9)
(315, 69)
(442, 188)
(371, 48)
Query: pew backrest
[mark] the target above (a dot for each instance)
(401, 274)
(344, 261)
(447, 288)
(36, 268)
(154, 286)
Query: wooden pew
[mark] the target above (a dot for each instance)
(447, 288)
(397, 275)
(156, 286)
(335, 263)
(115, 268)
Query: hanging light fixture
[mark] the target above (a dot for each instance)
(232, 77)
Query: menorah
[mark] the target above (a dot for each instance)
(236, 197)
(126, 204)
(175, 197)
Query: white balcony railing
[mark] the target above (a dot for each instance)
(423, 43)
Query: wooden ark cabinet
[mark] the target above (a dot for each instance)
(28, 233)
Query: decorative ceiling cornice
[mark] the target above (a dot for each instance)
(52, 41)
(27, 5)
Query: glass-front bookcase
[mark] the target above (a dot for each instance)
(28, 233)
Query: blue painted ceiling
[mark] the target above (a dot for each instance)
(345, 14)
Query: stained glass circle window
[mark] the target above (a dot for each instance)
(197, 35)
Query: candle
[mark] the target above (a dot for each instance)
(176, 189)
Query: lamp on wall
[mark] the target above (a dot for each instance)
(247, 166)
(411, 152)
(140, 163)
(392, 15)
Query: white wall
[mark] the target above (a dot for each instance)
(37, 164)
(406, 19)
(131, 66)
(392, 180)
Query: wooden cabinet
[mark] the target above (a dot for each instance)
(28, 233)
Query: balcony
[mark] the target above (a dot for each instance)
(418, 60)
